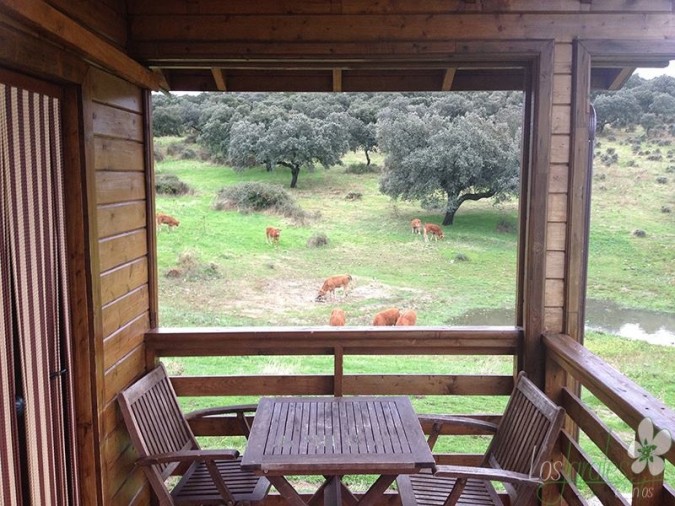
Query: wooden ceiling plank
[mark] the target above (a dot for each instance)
(448, 79)
(219, 78)
(46, 19)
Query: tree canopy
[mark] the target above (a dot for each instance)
(445, 161)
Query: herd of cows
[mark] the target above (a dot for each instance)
(388, 317)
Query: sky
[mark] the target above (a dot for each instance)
(650, 73)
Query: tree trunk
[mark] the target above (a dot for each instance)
(454, 203)
(268, 166)
(367, 158)
(295, 170)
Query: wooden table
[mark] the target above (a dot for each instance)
(333, 437)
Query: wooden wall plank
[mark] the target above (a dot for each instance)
(556, 236)
(553, 319)
(120, 281)
(561, 119)
(125, 309)
(116, 92)
(558, 179)
(293, 28)
(562, 89)
(125, 372)
(121, 249)
(557, 207)
(560, 149)
(563, 58)
(555, 293)
(128, 337)
(391, 6)
(555, 264)
(118, 155)
(115, 187)
(113, 122)
(116, 218)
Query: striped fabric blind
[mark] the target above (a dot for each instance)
(35, 310)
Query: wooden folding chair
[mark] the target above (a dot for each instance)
(166, 446)
(522, 443)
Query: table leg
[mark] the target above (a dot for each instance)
(372, 496)
(333, 492)
(286, 490)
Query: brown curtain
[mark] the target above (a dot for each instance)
(35, 310)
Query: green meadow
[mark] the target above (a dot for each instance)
(216, 269)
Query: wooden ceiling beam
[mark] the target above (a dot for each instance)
(57, 26)
(620, 78)
(219, 78)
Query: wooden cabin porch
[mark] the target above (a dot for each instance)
(96, 63)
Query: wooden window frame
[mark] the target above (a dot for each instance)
(585, 54)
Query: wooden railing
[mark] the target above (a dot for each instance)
(625, 399)
(338, 343)
(566, 362)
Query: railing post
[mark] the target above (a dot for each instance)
(338, 370)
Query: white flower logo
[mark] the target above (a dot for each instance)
(649, 448)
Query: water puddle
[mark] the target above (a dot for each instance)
(650, 326)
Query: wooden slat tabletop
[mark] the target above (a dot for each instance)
(336, 436)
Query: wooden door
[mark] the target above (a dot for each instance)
(37, 461)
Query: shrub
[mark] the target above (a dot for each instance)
(665, 209)
(362, 168)
(461, 257)
(639, 233)
(317, 240)
(255, 197)
(169, 184)
(190, 268)
(353, 196)
(188, 154)
(662, 180)
(506, 227)
(158, 155)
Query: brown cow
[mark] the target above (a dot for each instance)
(165, 219)
(272, 235)
(434, 230)
(416, 226)
(337, 317)
(331, 284)
(387, 317)
(407, 318)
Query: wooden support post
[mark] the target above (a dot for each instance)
(338, 372)
(337, 80)
(448, 79)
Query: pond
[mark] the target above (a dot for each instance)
(603, 316)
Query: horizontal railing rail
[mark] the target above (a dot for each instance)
(337, 343)
(629, 402)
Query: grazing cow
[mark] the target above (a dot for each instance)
(337, 317)
(416, 226)
(165, 219)
(407, 318)
(331, 284)
(387, 317)
(272, 235)
(434, 230)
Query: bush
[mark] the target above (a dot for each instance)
(662, 180)
(639, 233)
(362, 168)
(158, 155)
(505, 226)
(318, 240)
(461, 257)
(255, 197)
(353, 196)
(188, 154)
(169, 184)
(665, 209)
(190, 268)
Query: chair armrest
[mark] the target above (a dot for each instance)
(459, 421)
(486, 473)
(223, 410)
(188, 456)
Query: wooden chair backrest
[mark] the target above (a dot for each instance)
(154, 420)
(526, 435)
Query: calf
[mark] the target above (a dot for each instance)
(434, 230)
(416, 226)
(407, 318)
(272, 235)
(162, 218)
(387, 317)
(331, 284)
(337, 317)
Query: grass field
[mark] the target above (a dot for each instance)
(236, 278)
